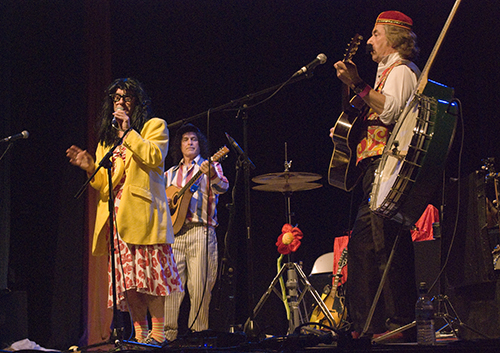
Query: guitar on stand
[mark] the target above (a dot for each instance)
(334, 302)
(342, 172)
(181, 197)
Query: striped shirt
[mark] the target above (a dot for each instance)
(202, 200)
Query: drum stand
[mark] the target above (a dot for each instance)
(443, 303)
(287, 183)
(293, 297)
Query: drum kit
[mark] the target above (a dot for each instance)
(287, 183)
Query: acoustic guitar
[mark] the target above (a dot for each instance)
(342, 172)
(181, 197)
(334, 302)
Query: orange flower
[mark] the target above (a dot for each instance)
(289, 239)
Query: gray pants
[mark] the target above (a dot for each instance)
(198, 275)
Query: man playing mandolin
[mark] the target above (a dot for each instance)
(196, 238)
(393, 46)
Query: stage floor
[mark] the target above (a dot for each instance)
(223, 342)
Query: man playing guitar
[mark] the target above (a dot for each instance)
(198, 273)
(392, 45)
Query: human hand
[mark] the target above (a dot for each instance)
(122, 119)
(347, 72)
(80, 158)
(204, 167)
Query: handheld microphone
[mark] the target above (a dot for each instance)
(239, 150)
(22, 135)
(114, 123)
(320, 60)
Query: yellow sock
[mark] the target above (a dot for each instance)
(141, 330)
(157, 331)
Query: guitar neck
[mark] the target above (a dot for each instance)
(424, 76)
(336, 283)
(190, 183)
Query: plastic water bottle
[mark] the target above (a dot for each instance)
(424, 316)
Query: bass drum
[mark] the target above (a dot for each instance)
(414, 157)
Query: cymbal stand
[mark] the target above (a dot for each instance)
(294, 296)
(294, 299)
(450, 319)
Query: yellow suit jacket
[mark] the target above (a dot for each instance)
(143, 216)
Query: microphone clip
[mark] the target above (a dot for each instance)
(240, 152)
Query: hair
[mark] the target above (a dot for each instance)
(403, 40)
(142, 111)
(176, 146)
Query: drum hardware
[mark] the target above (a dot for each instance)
(286, 177)
(295, 296)
(395, 145)
(288, 182)
(287, 187)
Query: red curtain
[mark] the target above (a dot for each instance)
(98, 49)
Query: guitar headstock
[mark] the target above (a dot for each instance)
(220, 154)
(352, 48)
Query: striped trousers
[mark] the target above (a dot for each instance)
(198, 274)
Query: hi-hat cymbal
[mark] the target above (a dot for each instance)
(286, 178)
(287, 187)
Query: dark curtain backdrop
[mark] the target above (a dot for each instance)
(193, 56)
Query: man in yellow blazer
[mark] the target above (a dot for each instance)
(145, 269)
(146, 219)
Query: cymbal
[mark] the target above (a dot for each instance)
(287, 187)
(286, 178)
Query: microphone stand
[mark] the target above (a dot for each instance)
(240, 105)
(240, 101)
(226, 270)
(116, 335)
(250, 327)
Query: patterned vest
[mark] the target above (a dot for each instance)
(376, 133)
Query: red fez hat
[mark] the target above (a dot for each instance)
(394, 18)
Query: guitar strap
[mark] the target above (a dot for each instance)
(375, 133)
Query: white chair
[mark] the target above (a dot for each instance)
(323, 264)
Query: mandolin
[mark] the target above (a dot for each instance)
(333, 301)
(181, 197)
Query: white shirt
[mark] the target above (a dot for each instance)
(399, 86)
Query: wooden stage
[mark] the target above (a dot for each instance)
(210, 341)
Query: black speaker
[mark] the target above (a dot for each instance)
(428, 264)
(471, 261)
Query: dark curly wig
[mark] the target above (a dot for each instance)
(142, 111)
(176, 146)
